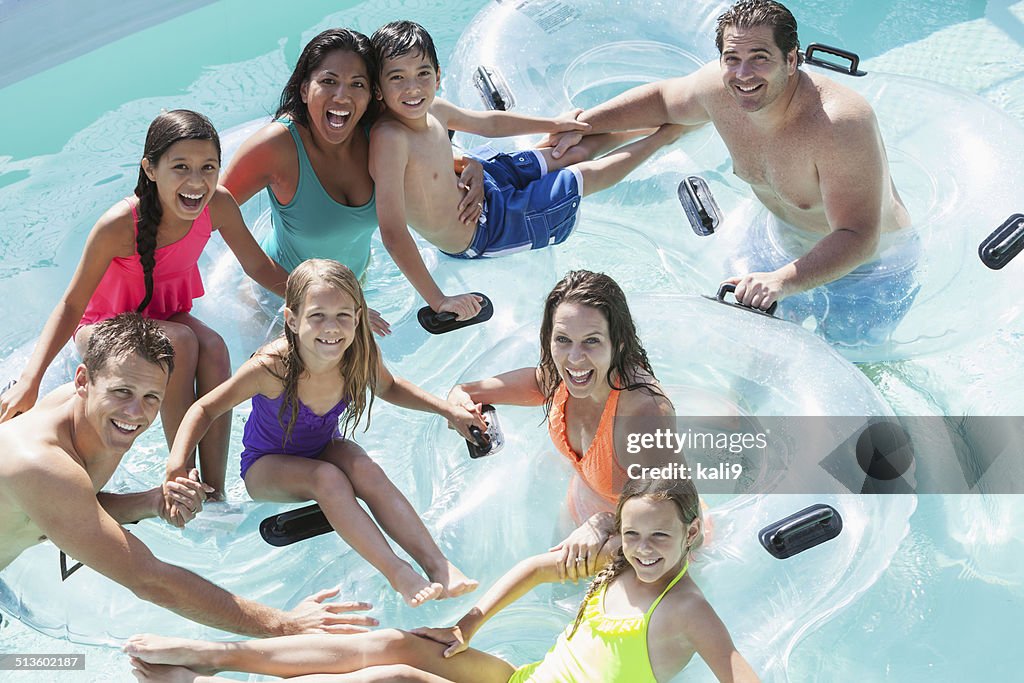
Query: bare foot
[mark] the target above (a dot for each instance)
(152, 649)
(453, 581)
(414, 588)
(163, 673)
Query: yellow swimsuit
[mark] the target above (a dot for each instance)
(604, 650)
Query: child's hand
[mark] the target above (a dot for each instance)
(378, 324)
(463, 417)
(183, 498)
(568, 122)
(471, 179)
(458, 396)
(17, 398)
(560, 143)
(464, 306)
(450, 636)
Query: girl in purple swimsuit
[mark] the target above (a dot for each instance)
(327, 367)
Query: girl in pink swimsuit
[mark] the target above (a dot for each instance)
(142, 256)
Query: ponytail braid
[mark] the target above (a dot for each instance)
(611, 570)
(149, 213)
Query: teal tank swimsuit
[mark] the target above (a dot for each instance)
(313, 225)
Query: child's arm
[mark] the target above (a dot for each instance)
(111, 236)
(251, 379)
(389, 157)
(516, 583)
(188, 493)
(693, 619)
(401, 392)
(228, 219)
(499, 124)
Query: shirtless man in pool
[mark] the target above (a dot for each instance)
(809, 148)
(55, 458)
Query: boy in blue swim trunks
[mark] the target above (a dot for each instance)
(531, 199)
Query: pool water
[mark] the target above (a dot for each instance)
(938, 602)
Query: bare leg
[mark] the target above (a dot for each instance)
(600, 174)
(322, 654)
(396, 516)
(397, 673)
(286, 478)
(213, 367)
(590, 147)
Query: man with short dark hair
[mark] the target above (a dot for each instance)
(57, 456)
(809, 148)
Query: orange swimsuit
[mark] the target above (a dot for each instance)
(598, 467)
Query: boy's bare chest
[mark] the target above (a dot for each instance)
(430, 159)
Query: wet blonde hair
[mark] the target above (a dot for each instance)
(681, 492)
(358, 366)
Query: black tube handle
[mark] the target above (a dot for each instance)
(852, 57)
(1005, 243)
(818, 516)
(286, 518)
(727, 287)
(489, 90)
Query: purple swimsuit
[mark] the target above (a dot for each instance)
(264, 435)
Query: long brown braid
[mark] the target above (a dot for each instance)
(682, 492)
(166, 129)
(358, 366)
(629, 358)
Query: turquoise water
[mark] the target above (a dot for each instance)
(79, 129)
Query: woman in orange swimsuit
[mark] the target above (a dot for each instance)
(592, 369)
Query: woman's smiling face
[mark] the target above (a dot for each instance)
(581, 349)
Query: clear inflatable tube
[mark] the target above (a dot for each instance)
(700, 349)
(954, 159)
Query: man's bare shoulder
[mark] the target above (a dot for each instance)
(694, 97)
(837, 104)
(32, 449)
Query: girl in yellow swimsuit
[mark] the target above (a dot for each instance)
(642, 620)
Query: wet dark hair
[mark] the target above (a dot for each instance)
(168, 128)
(400, 38)
(629, 359)
(126, 334)
(750, 13)
(681, 492)
(313, 55)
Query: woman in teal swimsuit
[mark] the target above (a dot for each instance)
(313, 160)
(642, 620)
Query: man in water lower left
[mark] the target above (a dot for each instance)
(55, 458)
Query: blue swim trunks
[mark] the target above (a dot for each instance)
(860, 309)
(525, 207)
